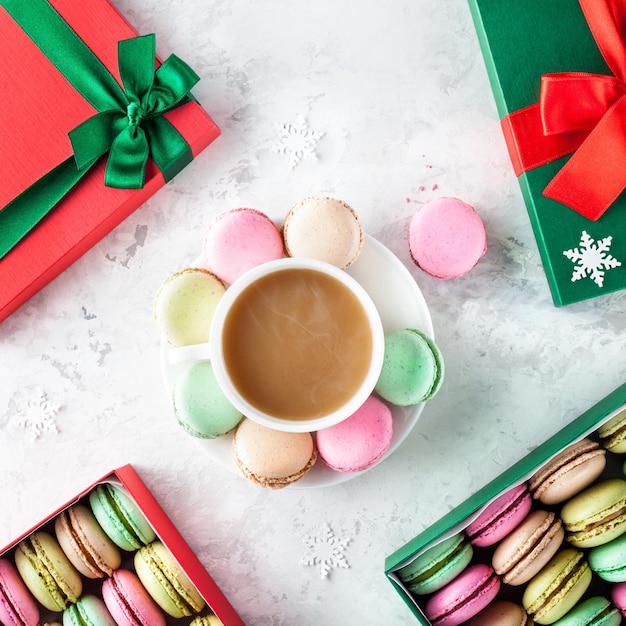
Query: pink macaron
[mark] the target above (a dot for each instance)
(128, 601)
(468, 594)
(446, 238)
(618, 595)
(500, 517)
(17, 605)
(239, 240)
(359, 441)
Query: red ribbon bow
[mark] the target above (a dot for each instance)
(584, 113)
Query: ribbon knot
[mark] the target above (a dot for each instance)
(131, 126)
(134, 114)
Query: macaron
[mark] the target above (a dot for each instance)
(500, 517)
(446, 238)
(528, 548)
(595, 611)
(128, 602)
(502, 613)
(272, 458)
(207, 620)
(568, 473)
(609, 560)
(200, 405)
(613, 433)
(557, 588)
(437, 566)
(412, 370)
(47, 572)
(185, 304)
(597, 515)
(17, 605)
(618, 595)
(120, 517)
(325, 229)
(359, 441)
(85, 544)
(468, 594)
(239, 240)
(88, 611)
(166, 582)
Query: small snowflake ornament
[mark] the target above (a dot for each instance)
(35, 412)
(325, 551)
(297, 141)
(591, 258)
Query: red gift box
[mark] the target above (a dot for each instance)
(39, 109)
(127, 478)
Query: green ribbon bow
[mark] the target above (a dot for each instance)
(129, 124)
(135, 127)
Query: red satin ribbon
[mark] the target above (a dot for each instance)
(584, 114)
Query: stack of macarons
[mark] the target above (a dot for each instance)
(551, 550)
(99, 563)
(319, 227)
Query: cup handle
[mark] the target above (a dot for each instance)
(195, 352)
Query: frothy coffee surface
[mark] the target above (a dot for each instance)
(297, 344)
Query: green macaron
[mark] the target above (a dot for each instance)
(595, 611)
(165, 580)
(609, 560)
(412, 370)
(437, 566)
(200, 405)
(120, 517)
(88, 611)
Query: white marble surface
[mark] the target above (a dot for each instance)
(398, 97)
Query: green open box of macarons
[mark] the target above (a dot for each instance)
(109, 557)
(556, 518)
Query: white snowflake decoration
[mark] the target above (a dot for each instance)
(325, 551)
(592, 258)
(37, 413)
(297, 141)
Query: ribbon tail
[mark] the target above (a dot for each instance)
(23, 213)
(594, 176)
(168, 148)
(126, 165)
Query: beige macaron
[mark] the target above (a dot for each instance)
(325, 229)
(272, 458)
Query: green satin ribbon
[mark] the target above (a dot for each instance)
(129, 125)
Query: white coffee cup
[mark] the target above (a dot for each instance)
(341, 329)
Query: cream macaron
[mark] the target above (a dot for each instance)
(325, 229)
(272, 458)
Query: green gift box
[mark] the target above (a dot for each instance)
(521, 42)
(586, 425)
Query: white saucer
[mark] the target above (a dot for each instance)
(400, 304)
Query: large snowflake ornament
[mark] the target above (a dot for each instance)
(592, 258)
(297, 141)
(36, 412)
(325, 551)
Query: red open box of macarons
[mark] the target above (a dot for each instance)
(109, 557)
(544, 543)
